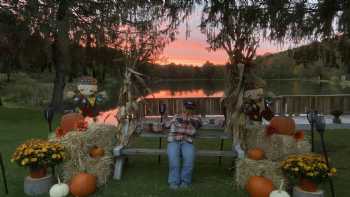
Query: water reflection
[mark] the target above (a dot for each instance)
(199, 93)
(208, 88)
(302, 87)
(215, 89)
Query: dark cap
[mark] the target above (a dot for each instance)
(189, 105)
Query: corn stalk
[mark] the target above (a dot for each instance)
(136, 49)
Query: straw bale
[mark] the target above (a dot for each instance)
(245, 168)
(276, 147)
(77, 146)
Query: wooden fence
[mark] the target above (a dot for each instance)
(291, 104)
(206, 106)
(298, 104)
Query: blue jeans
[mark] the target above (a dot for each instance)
(176, 151)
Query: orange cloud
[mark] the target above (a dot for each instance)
(196, 53)
(194, 50)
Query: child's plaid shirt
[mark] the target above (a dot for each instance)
(181, 128)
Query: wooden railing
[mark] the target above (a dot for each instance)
(283, 104)
(298, 104)
(207, 106)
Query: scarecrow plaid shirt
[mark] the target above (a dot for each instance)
(181, 128)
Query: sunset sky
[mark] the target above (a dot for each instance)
(193, 50)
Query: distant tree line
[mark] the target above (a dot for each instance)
(180, 71)
(320, 59)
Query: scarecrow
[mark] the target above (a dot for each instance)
(87, 100)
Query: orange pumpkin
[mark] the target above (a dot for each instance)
(283, 125)
(83, 185)
(70, 121)
(96, 152)
(256, 154)
(259, 186)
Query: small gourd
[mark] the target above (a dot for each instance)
(256, 154)
(96, 152)
(59, 189)
(279, 192)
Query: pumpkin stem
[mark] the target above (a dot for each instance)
(281, 185)
(58, 179)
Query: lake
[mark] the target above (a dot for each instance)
(214, 88)
(297, 96)
(325, 96)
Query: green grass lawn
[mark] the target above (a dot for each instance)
(143, 176)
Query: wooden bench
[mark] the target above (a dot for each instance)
(121, 152)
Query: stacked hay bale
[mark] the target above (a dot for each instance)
(276, 148)
(78, 146)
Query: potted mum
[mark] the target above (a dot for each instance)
(308, 170)
(37, 155)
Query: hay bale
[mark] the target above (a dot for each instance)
(277, 147)
(77, 146)
(254, 136)
(101, 167)
(245, 168)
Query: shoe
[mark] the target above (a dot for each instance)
(173, 186)
(184, 185)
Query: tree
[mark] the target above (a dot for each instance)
(237, 25)
(232, 26)
(91, 23)
(13, 34)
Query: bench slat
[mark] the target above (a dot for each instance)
(146, 151)
(199, 135)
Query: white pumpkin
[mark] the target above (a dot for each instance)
(280, 192)
(59, 189)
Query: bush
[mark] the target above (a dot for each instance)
(25, 91)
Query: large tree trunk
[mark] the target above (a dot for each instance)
(61, 55)
(8, 70)
(8, 74)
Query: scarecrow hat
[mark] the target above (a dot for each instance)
(87, 80)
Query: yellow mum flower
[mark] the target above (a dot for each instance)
(24, 161)
(310, 174)
(333, 170)
(34, 159)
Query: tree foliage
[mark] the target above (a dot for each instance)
(237, 26)
(92, 23)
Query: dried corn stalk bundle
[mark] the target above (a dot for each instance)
(77, 146)
(276, 147)
(245, 168)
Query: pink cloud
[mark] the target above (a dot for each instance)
(194, 49)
